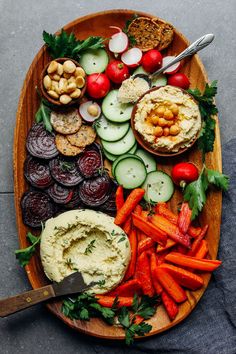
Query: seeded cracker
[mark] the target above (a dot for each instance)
(167, 34)
(66, 122)
(85, 136)
(65, 148)
(146, 33)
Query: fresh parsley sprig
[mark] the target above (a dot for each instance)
(43, 115)
(24, 254)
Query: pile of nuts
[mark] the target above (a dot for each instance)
(164, 118)
(64, 82)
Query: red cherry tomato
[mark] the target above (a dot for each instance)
(152, 60)
(179, 80)
(98, 85)
(117, 71)
(183, 173)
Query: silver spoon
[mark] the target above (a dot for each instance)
(199, 44)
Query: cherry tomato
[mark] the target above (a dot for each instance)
(179, 80)
(152, 60)
(98, 85)
(183, 173)
(117, 71)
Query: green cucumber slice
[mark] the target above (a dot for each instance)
(94, 61)
(112, 157)
(148, 160)
(118, 159)
(133, 149)
(115, 111)
(121, 146)
(160, 80)
(158, 186)
(130, 172)
(140, 70)
(109, 131)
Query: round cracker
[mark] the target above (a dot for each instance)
(85, 136)
(66, 122)
(146, 33)
(167, 34)
(65, 148)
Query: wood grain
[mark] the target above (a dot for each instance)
(98, 24)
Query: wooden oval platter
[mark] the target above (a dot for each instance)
(98, 24)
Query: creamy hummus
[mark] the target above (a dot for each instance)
(131, 89)
(188, 120)
(88, 241)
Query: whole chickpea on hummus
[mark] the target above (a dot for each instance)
(168, 119)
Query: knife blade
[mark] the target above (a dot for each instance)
(72, 284)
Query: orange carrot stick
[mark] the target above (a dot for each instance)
(138, 210)
(170, 285)
(184, 218)
(149, 229)
(197, 241)
(133, 245)
(202, 250)
(133, 199)
(170, 306)
(172, 230)
(170, 243)
(107, 301)
(181, 249)
(145, 244)
(194, 231)
(129, 288)
(138, 319)
(184, 277)
(143, 274)
(193, 262)
(119, 197)
(127, 225)
(153, 265)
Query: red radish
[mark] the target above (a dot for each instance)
(90, 111)
(183, 173)
(98, 85)
(119, 41)
(179, 80)
(152, 60)
(132, 57)
(173, 68)
(117, 71)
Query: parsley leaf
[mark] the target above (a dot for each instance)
(24, 255)
(43, 115)
(136, 329)
(218, 179)
(146, 307)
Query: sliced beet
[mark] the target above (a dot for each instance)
(60, 194)
(41, 143)
(95, 191)
(109, 206)
(37, 207)
(37, 172)
(75, 202)
(65, 171)
(89, 163)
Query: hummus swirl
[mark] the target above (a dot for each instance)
(87, 241)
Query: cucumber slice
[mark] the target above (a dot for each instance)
(94, 61)
(158, 186)
(140, 70)
(133, 149)
(160, 80)
(109, 131)
(115, 111)
(130, 172)
(112, 157)
(121, 146)
(118, 159)
(148, 160)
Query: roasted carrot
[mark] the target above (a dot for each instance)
(170, 306)
(184, 277)
(197, 241)
(127, 225)
(108, 301)
(129, 288)
(193, 262)
(143, 274)
(170, 243)
(119, 197)
(125, 211)
(181, 249)
(149, 229)
(133, 245)
(143, 236)
(153, 265)
(138, 319)
(145, 244)
(138, 210)
(170, 285)
(202, 250)
(194, 231)
(184, 218)
(171, 230)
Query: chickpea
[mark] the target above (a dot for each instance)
(175, 109)
(65, 99)
(158, 131)
(168, 114)
(155, 119)
(69, 67)
(160, 111)
(166, 131)
(80, 82)
(162, 122)
(93, 110)
(52, 67)
(47, 82)
(174, 129)
(76, 93)
(53, 94)
(170, 123)
(71, 87)
(79, 72)
(59, 69)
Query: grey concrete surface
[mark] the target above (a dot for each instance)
(21, 25)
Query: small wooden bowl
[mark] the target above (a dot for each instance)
(147, 146)
(52, 100)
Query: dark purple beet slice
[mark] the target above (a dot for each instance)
(37, 172)
(41, 143)
(110, 205)
(95, 191)
(60, 194)
(65, 172)
(37, 207)
(89, 163)
(75, 201)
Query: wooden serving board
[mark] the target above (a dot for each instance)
(98, 24)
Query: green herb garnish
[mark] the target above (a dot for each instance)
(67, 166)
(90, 247)
(131, 38)
(24, 255)
(43, 115)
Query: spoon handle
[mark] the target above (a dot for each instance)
(199, 44)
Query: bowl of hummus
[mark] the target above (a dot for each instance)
(166, 121)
